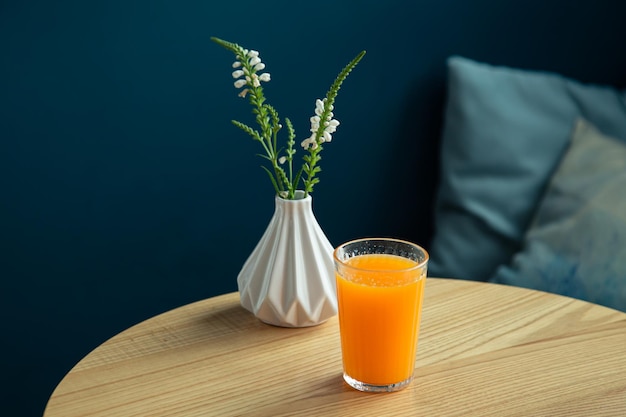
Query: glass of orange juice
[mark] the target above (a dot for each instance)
(380, 288)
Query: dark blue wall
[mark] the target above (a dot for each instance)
(125, 191)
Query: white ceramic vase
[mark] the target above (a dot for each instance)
(288, 280)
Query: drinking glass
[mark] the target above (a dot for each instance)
(380, 290)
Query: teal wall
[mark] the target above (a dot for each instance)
(125, 191)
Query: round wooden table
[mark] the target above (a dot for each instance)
(484, 350)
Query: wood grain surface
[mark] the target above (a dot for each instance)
(484, 350)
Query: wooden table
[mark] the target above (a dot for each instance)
(484, 350)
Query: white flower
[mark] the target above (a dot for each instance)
(315, 123)
(319, 107)
(309, 142)
(247, 66)
(330, 126)
(282, 160)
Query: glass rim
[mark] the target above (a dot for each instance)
(419, 265)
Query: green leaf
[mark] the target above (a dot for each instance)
(272, 179)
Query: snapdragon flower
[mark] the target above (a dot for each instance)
(250, 63)
(330, 126)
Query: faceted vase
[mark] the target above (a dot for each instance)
(288, 280)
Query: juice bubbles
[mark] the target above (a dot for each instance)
(380, 302)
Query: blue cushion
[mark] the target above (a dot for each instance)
(576, 245)
(505, 131)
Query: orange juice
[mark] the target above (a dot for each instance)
(380, 299)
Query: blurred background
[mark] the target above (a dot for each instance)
(125, 191)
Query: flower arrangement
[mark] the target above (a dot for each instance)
(249, 77)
